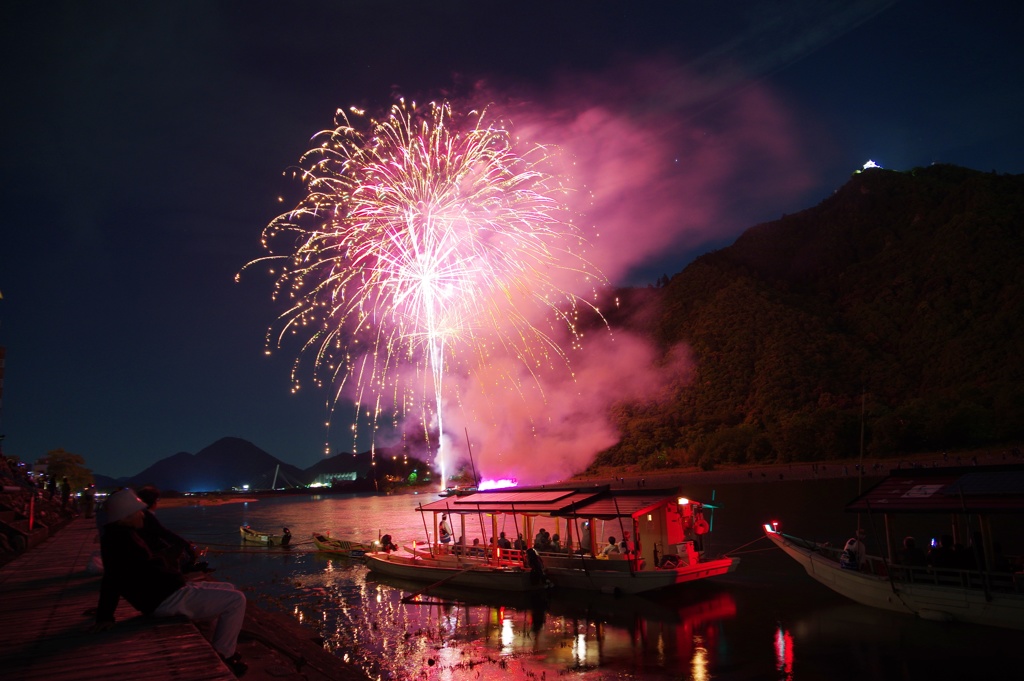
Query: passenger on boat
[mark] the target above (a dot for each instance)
(445, 529)
(556, 543)
(912, 555)
(941, 553)
(854, 555)
(611, 548)
(132, 571)
(386, 544)
(535, 564)
(503, 542)
(542, 542)
(519, 543)
(586, 541)
(626, 545)
(286, 537)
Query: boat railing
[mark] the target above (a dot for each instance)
(1002, 582)
(483, 553)
(997, 581)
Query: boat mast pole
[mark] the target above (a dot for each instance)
(476, 481)
(860, 466)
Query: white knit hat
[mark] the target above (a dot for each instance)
(122, 504)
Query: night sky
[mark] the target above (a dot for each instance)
(145, 146)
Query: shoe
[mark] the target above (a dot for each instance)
(235, 664)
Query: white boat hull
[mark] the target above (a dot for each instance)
(917, 596)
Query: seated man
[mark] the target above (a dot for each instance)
(151, 586)
(174, 549)
(611, 548)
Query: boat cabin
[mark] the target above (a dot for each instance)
(982, 505)
(661, 524)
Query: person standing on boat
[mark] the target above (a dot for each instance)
(132, 571)
(445, 530)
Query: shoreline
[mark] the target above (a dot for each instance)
(873, 467)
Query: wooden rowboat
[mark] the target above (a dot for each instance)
(255, 537)
(341, 547)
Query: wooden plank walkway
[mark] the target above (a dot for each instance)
(47, 602)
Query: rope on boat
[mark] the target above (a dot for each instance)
(743, 546)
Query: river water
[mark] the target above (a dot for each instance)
(767, 620)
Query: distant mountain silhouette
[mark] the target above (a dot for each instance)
(232, 462)
(228, 463)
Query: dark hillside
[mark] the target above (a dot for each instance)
(901, 289)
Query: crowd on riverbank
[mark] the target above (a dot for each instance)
(28, 513)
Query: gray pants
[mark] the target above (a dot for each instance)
(209, 600)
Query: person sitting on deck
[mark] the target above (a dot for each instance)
(173, 548)
(133, 572)
(503, 542)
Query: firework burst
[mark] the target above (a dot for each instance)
(425, 243)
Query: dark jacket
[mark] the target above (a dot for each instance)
(165, 544)
(132, 571)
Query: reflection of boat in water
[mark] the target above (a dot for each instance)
(255, 537)
(501, 575)
(341, 547)
(619, 610)
(981, 589)
(670, 537)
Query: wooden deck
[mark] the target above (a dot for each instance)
(47, 602)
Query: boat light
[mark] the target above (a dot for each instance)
(683, 501)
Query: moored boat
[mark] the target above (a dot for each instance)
(265, 538)
(977, 586)
(665, 541)
(341, 547)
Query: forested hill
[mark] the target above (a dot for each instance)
(902, 289)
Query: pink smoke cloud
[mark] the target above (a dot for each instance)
(656, 159)
(651, 174)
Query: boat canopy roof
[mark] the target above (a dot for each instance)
(582, 502)
(965, 489)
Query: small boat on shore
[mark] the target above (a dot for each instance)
(978, 586)
(265, 538)
(670, 545)
(341, 547)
